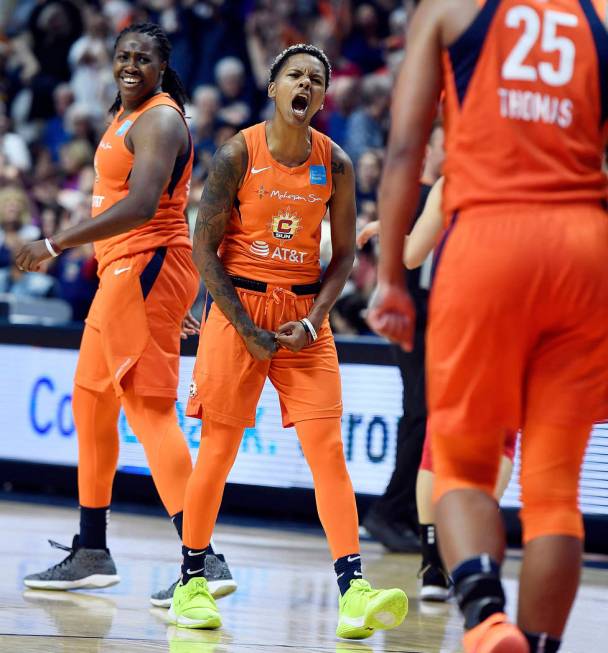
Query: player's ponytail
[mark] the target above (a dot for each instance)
(171, 83)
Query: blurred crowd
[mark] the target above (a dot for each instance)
(56, 86)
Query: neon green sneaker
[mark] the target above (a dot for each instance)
(362, 610)
(193, 606)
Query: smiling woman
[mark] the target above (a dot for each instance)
(129, 355)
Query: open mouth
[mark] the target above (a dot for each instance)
(129, 80)
(299, 105)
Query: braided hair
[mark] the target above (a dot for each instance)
(300, 48)
(171, 83)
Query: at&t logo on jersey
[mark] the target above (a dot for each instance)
(285, 225)
(260, 248)
(285, 254)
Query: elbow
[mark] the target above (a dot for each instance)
(146, 212)
(142, 209)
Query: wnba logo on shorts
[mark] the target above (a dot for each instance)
(285, 225)
(260, 248)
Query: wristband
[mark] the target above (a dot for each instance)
(309, 328)
(51, 245)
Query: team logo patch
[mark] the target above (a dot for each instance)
(124, 127)
(193, 389)
(285, 224)
(318, 175)
(260, 248)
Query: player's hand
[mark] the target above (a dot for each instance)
(292, 336)
(392, 314)
(190, 326)
(261, 344)
(370, 230)
(31, 255)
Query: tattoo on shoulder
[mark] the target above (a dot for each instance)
(218, 195)
(337, 167)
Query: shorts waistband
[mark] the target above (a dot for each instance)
(262, 286)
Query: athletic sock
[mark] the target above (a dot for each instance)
(178, 522)
(478, 589)
(194, 562)
(93, 525)
(429, 546)
(347, 568)
(542, 643)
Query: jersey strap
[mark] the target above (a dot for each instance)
(465, 51)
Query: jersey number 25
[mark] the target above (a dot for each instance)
(514, 67)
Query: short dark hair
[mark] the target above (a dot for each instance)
(300, 48)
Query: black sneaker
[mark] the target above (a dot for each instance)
(82, 569)
(394, 537)
(219, 581)
(436, 584)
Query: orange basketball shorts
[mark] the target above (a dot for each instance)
(134, 323)
(518, 333)
(227, 380)
(426, 462)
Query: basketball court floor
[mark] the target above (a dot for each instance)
(286, 601)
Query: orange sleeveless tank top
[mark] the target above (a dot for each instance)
(274, 232)
(113, 165)
(526, 94)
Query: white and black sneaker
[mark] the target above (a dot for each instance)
(219, 581)
(82, 569)
(436, 584)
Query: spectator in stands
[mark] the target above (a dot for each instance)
(16, 225)
(367, 126)
(369, 169)
(55, 132)
(54, 25)
(203, 126)
(235, 103)
(342, 99)
(75, 156)
(12, 146)
(364, 45)
(90, 62)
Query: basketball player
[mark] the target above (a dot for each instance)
(129, 353)
(268, 190)
(436, 584)
(519, 307)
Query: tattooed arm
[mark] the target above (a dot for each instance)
(227, 170)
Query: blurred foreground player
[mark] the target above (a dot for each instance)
(267, 192)
(519, 308)
(129, 355)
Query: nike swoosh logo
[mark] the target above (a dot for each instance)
(191, 572)
(194, 553)
(353, 558)
(121, 270)
(255, 171)
(357, 622)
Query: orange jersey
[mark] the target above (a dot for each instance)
(526, 103)
(113, 165)
(274, 232)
